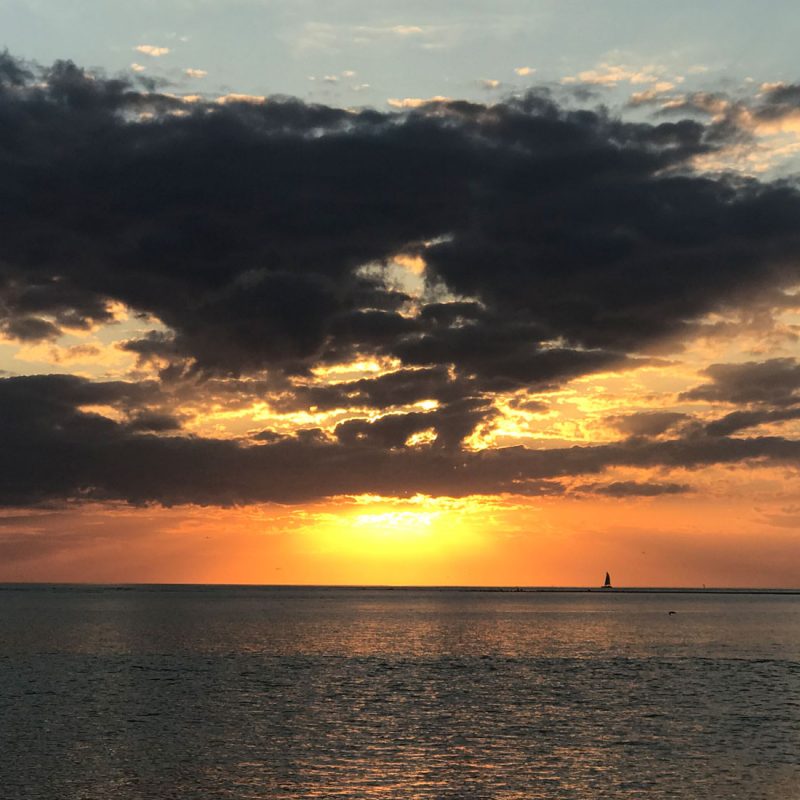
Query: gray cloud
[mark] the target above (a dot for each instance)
(773, 382)
(622, 489)
(647, 423)
(741, 420)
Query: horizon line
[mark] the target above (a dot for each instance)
(633, 589)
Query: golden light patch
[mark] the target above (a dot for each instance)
(482, 438)
(413, 263)
(352, 370)
(109, 412)
(388, 530)
(427, 405)
(89, 355)
(236, 422)
(428, 436)
(93, 351)
(237, 97)
(245, 420)
(118, 310)
(416, 102)
(152, 50)
(483, 539)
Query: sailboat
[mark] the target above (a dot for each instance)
(607, 584)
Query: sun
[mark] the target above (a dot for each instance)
(398, 525)
(389, 529)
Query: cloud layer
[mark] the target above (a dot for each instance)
(552, 244)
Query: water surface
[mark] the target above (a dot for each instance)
(197, 692)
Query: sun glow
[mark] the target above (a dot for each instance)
(393, 524)
(419, 530)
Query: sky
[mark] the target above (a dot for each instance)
(409, 293)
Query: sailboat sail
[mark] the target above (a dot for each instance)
(607, 584)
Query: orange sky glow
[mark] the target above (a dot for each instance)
(499, 541)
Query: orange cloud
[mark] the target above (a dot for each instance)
(152, 50)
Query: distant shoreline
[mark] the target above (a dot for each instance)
(463, 589)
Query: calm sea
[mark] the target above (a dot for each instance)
(195, 692)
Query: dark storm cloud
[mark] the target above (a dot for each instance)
(773, 382)
(244, 227)
(52, 451)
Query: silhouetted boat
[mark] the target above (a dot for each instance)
(607, 584)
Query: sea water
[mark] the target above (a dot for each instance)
(226, 692)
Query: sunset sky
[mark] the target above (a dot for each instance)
(400, 293)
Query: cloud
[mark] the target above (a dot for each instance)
(416, 102)
(14, 73)
(407, 30)
(401, 387)
(339, 39)
(137, 67)
(264, 239)
(600, 241)
(773, 382)
(75, 354)
(152, 50)
(195, 73)
(450, 426)
(656, 93)
(777, 109)
(54, 451)
(740, 420)
(761, 131)
(612, 74)
(623, 489)
(524, 72)
(437, 164)
(490, 83)
(647, 423)
(506, 355)
(238, 97)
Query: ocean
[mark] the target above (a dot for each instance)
(239, 692)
